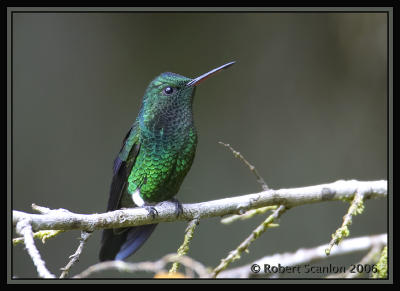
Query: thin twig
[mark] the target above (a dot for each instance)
(356, 207)
(25, 229)
(43, 235)
(235, 254)
(75, 257)
(40, 209)
(382, 265)
(249, 214)
(184, 248)
(253, 169)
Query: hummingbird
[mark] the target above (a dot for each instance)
(156, 154)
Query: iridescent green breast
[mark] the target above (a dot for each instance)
(162, 165)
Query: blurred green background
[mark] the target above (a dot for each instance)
(305, 103)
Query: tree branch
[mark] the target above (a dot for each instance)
(62, 219)
(152, 267)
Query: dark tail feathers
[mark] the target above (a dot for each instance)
(119, 246)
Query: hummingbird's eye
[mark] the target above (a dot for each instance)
(168, 90)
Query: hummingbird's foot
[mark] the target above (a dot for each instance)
(178, 206)
(138, 200)
(151, 210)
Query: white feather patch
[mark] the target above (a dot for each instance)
(137, 199)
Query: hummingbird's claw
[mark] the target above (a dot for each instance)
(151, 210)
(178, 206)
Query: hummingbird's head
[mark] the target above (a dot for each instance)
(167, 96)
(167, 102)
(166, 89)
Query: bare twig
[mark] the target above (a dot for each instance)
(253, 169)
(75, 257)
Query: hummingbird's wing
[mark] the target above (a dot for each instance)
(118, 244)
(122, 166)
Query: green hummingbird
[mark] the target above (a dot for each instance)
(155, 157)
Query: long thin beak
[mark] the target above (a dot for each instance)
(198, 80)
